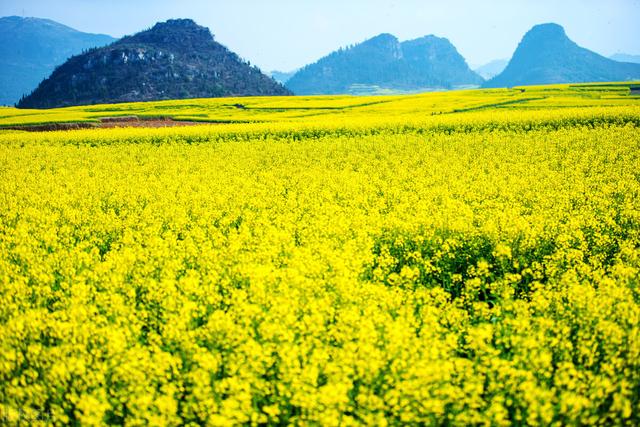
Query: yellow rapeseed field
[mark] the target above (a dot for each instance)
(462, 258)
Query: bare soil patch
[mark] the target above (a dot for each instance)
(133, 121)
(109, 122)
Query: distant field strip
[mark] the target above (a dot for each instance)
(302, 109)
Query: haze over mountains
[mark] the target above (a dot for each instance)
(624, 57)
(179, 59)
(173, 60)
(492, 69)
(30, 50)
(547, 56)
(282, 76)
(427, 63)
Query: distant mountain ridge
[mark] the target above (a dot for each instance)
(426, 63)
(625, 57)
(179, 59)
(282, 76)
(547, 56)
(492, 69)
(31, 48)
(175, 59)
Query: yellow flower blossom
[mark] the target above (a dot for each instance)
(459, 258)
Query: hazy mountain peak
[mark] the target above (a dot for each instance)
(382, 62)
(546, 55)
(435, 43)
(384, 41)
(28, 20)
(547, 30)
(36, 47)
(382, 37)
(430, 38)
(546, 36)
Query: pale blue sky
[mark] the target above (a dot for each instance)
(286, 34)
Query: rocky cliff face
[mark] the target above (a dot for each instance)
(173, 60)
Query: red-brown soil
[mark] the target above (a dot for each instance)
(109, 122)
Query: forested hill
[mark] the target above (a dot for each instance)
(175, 59)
